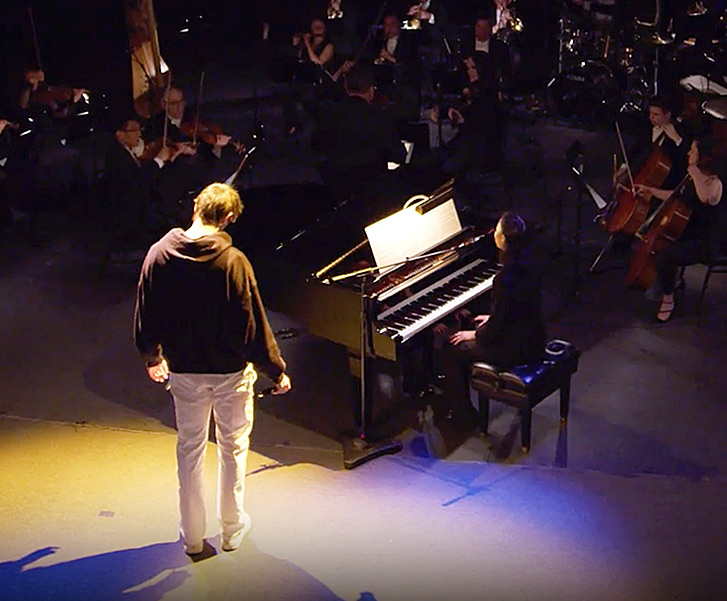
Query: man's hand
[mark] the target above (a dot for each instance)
(78, 94)
(182, 148)
(159, 373)
(455, 116)
(34, 77)
(462, 336)
(283, 386)
(240, 147)
(672, 133)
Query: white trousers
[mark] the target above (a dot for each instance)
(230, 397)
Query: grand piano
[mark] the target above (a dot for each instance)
(408, 271)
(414, 268)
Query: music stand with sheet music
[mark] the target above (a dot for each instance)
(406, 236)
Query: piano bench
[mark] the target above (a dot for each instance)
(524, 386)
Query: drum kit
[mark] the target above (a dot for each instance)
(606, 67)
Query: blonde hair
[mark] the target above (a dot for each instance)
(216, 202)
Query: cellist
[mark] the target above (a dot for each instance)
(705, 229)
(663, 131)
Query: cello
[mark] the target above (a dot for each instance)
(664, 227)
(627, 209)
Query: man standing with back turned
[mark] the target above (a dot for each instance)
(200, 322)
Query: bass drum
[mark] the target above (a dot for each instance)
(587, 91)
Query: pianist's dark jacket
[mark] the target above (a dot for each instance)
(515, 332)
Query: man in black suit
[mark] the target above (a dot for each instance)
(131, 209)
(396, 68)
(206, 161)
(479, 141)
(357, 139)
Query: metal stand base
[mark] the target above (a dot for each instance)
(605, 249)
(357, 451)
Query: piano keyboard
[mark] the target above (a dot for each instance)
(426, 307)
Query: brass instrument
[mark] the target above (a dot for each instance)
(413, 21)
(334, 10)
(513, 26)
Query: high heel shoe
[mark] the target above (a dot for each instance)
(666, 308)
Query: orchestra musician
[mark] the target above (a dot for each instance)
(479, 140)
(343, 17)
(665, 132)
(394, 48)
(180, 127)
(512, 333)
(131, 208)
(705, 230)
(6, 216)
(49, 167)
(396, 68)
(210, 154)
(315, 54)
(430, 15)
(357, 139)
(314, 45)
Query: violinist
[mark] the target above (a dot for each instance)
(59, 99)
(131, 209)
(51, 169)
(181, 127)
(704, 231)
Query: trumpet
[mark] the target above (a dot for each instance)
(513, 25)
(413, 21)
(334, 10)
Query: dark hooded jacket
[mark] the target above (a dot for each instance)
(198, 306)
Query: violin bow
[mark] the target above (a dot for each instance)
(166, 109)
(231, 180)
(35, 38)
(199, 105)
(626, 158)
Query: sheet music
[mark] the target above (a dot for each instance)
(407, 234)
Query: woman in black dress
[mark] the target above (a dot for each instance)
(514, 331)
(705, 230)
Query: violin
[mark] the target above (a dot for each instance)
(199, 130)
(50, 95)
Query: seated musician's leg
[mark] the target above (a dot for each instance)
(668, 262)
(456, 363)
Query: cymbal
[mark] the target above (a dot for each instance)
(717, 107)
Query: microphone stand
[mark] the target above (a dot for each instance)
(362, 448)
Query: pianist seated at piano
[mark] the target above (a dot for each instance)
(514, 331)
